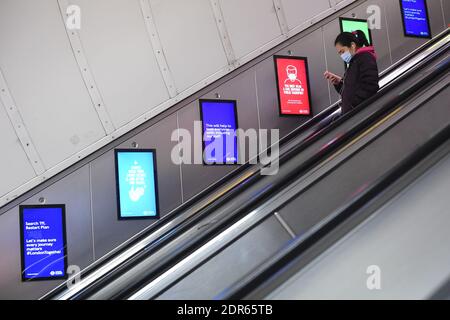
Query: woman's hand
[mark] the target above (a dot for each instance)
(333, 78)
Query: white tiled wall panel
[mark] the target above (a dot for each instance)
(251, 26)
(117, 46)
(38, 64)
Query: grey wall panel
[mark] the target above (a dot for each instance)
(379, 36)
(109, 232)
(45, 81)
(296, 12)
(117, 46)
(193, 50)
(436, 18)
(232, 263)
(446, 11)
(311, 46)
(15, 168)
(197, 177)
(400, 45)
(253, 25)
(73, 191)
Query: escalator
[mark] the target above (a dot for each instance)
(221, 245)
(395, 222)
(403, 236)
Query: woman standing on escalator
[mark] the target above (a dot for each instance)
(360, 81)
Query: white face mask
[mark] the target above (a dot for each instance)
(346, 56)
(292, 76)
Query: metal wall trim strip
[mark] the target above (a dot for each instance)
(19, 127)
(223, 32)
(157, 48)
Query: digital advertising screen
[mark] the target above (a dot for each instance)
(350, 25)
(293, 85)
(136, 183)
(219, 122)
(43, 242)
(415, 18)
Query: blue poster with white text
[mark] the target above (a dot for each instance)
(43, 243)
(415, 18)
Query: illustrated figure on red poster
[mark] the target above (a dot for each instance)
(292, 85)
(293, 91)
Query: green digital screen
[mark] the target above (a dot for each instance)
(350, 25)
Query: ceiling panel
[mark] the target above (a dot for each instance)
(250, 24)
(118, 49)
(44, 79)
(190, 39)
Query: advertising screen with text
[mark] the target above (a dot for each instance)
(350, 25)
(293, 85)
(219, 121)
(43, 242)
(137, 195)
(415, 18)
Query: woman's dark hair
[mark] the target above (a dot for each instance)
(345, 39)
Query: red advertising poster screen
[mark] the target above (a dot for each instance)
(293, 85)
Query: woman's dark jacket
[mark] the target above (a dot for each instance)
(360, 81)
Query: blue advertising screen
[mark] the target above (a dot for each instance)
(137, 195)
(415, 18)
(219, 121)
(43, 237)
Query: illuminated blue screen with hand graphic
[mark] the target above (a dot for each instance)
(43, 242)
(415, 18)
(136, 181)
